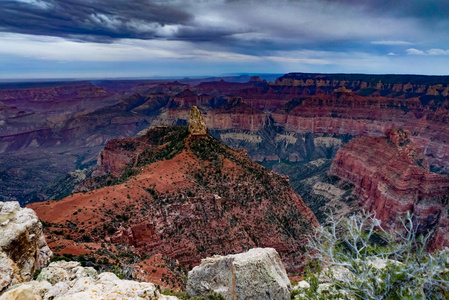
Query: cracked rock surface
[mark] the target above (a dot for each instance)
(23, 248)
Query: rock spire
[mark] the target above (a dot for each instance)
(196, 123)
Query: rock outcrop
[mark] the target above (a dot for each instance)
(391, 176)
(23, 248)
(185, 197)
(71, 281)
(256, 274)
(196, 123)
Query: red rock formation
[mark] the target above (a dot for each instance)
(391, 176)
(187, 98)
(269, 97)
(185, 197)
(56, 92)
(367, 84)
(357, 116)
(67, 122)
(171, 88)
(221, 87)
(236, 114)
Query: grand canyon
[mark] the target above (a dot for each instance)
(224, 150)
(165, 173)
(52, 133)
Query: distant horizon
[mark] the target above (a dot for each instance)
(134, 78)
(165, 78)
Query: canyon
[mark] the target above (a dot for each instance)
(295, 125)
(391, 176)
(179, 193)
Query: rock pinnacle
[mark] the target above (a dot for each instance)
(196, 123)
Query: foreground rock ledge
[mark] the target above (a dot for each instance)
(22, 244)
(256, 274)
(71, 281)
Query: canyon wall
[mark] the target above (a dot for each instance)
(391, 176)
(49, 131)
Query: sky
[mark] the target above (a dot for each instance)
(170, 38)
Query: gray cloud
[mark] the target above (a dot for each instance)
(428, 10)
(90, 20)
(240, 26)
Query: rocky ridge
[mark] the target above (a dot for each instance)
(288, 125)
(69, 123)
(256, 274)
(183, 196)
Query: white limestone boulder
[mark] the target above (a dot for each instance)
(71, 281)
(32, 290)
(22, 244)
(256, 274)
(65, 271)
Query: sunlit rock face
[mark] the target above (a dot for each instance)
(256, 274)
(196, 123)
(23, 248)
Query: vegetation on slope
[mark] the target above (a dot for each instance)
(364, 261)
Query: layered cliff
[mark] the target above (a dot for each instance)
(185, 196)
(51, 130)
(391, 176)
(350, 114)
(400, 86)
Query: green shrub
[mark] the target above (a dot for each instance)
(378, 264)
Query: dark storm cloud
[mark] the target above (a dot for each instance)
(89, 20)
(218, 36)
(243, 26)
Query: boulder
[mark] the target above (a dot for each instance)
(256, 274)
(22, 244)
(65, 271)
(32, 290)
